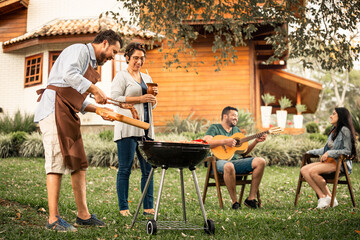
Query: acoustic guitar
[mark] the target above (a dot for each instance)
(226, 153)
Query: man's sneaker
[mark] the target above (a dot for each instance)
(92, 221)
(323, 202)
(236, 205)
(61, 226)
(251, 203)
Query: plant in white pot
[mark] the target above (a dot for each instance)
(281, 114)
(298, 119)
(266, 110)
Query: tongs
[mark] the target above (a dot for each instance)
(129, 106)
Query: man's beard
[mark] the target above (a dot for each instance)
(231, 124)
(101, 60)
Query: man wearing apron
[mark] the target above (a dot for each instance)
(71, 79)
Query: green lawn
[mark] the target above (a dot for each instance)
(23, 207)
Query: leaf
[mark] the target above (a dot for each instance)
(42, 210)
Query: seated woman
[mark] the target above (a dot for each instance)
(341, 140)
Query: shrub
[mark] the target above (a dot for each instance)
(100, 152)
(18, 122)
(286, 151)
(192, 135)
(318, 137)
(5, 146)
(178, 125)
(328, 129)
(173, 137)
(312, 127)
(17, 139)
(107, 135)
(104, 155)
(245, 120)
(355, 114)
(32, 146)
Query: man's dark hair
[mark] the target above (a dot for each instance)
(109, 35)
(130, 49)
(226, 111)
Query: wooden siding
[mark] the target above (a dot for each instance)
(205, 93)
(13, 24)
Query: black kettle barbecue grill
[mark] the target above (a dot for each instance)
(174, 155)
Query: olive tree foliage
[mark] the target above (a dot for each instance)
(320, 29)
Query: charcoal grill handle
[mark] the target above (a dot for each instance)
(187, 149)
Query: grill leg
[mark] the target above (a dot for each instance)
(143, 196)
(159, 193)
(183, 193)
(199, 196)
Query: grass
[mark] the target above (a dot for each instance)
(23, 207)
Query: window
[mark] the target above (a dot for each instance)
(118, 64)
(33, 70)
(55, 54)
(52, 58)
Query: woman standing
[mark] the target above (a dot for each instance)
(129, 86)
(341, 140)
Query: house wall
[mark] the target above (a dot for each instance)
(14, 96)
(44, 11)
(205, 93)
(13, 24)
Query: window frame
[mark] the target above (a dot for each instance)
(40, 74)
(51, 62)
(113, 65)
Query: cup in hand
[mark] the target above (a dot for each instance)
(150, 89)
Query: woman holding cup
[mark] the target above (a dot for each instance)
(129, 86)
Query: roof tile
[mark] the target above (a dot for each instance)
(60, 27)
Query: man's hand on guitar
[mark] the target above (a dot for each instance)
(231, 142)
(261, 139)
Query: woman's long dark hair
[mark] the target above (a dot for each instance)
(344, 119)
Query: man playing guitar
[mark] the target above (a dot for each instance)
(237, 165)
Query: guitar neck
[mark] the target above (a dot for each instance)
(246, 139)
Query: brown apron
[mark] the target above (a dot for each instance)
(68, 103)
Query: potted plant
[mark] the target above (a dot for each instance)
(281, 114)
(266, 110)
(298, 119)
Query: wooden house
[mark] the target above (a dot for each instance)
(206, 92)
(34, 32)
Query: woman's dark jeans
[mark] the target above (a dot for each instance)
(126, 151)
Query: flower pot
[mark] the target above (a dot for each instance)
(265, 116)
(281, 118)
(298, 121)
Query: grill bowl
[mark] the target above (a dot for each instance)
(174, 155)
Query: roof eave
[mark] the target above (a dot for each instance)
(69, 38)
